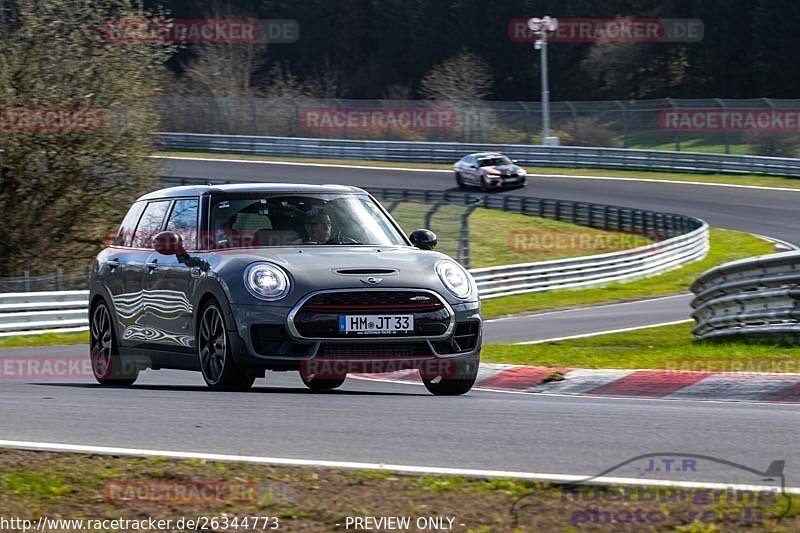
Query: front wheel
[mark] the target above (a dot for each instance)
(447, 383)
(107, 366)
(216, 359)
(460, 180)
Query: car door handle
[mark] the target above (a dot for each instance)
(151, 265)
(112, 263)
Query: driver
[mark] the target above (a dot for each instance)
(318, 228)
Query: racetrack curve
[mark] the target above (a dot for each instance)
(400, 423)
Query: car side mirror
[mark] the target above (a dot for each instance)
(514, 161)
(424, 239)
(169, 243)
(473, 166)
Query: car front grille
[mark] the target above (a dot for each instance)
(318, 317)
(374, 301)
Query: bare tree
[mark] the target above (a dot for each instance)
(62, 188)
(224, 69)
(463, 77)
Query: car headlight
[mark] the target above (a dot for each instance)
(522, 172)
(266, 281)
(454, 278)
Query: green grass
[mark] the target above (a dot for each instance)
(726, 245)
(73, 486)
(500, 238)
(665, 347)
(708, 143)
(45, 339)
(737, 179)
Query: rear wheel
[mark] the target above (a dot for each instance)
(315, 383)
(216, 360)
(107, 366)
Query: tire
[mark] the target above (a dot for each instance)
(484, 184)
(322, 383)
(107, 365)
(461, 382)
(460, 181)
(215, 354)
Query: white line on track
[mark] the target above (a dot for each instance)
(607, 332)
(405, 169)
(405, 469)
(298, 164)
(587, 308)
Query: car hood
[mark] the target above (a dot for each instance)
(502, 169)
(335, 267)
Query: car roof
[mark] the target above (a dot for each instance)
(197, 190)
(481, 155)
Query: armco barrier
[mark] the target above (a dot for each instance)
(755, 297)
(432, 152)
(685, 239)
(41, 312)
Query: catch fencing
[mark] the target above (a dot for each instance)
(448, 153)
(611, 124)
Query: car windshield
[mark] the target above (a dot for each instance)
(494, 161)
(263, 220)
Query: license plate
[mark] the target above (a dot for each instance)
(376, 324)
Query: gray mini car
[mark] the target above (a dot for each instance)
(233, 280)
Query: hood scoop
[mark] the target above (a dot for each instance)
(366, 271)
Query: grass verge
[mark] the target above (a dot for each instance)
(72, 486)
(738, 179)
(726, 245)
(667, 348)
(500, 238)
(45, 339)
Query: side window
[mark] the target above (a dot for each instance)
(125, 233)
(150, 224)
(183, 221)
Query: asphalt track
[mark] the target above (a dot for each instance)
(368, 421)
(377, 422)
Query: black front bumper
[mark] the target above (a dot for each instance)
(287, 339)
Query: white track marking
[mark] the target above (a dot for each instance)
(608, 332)
(405, 169)
(587, 308)
(405, 469)
(298, 164)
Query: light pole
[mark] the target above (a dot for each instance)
(542, 28)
